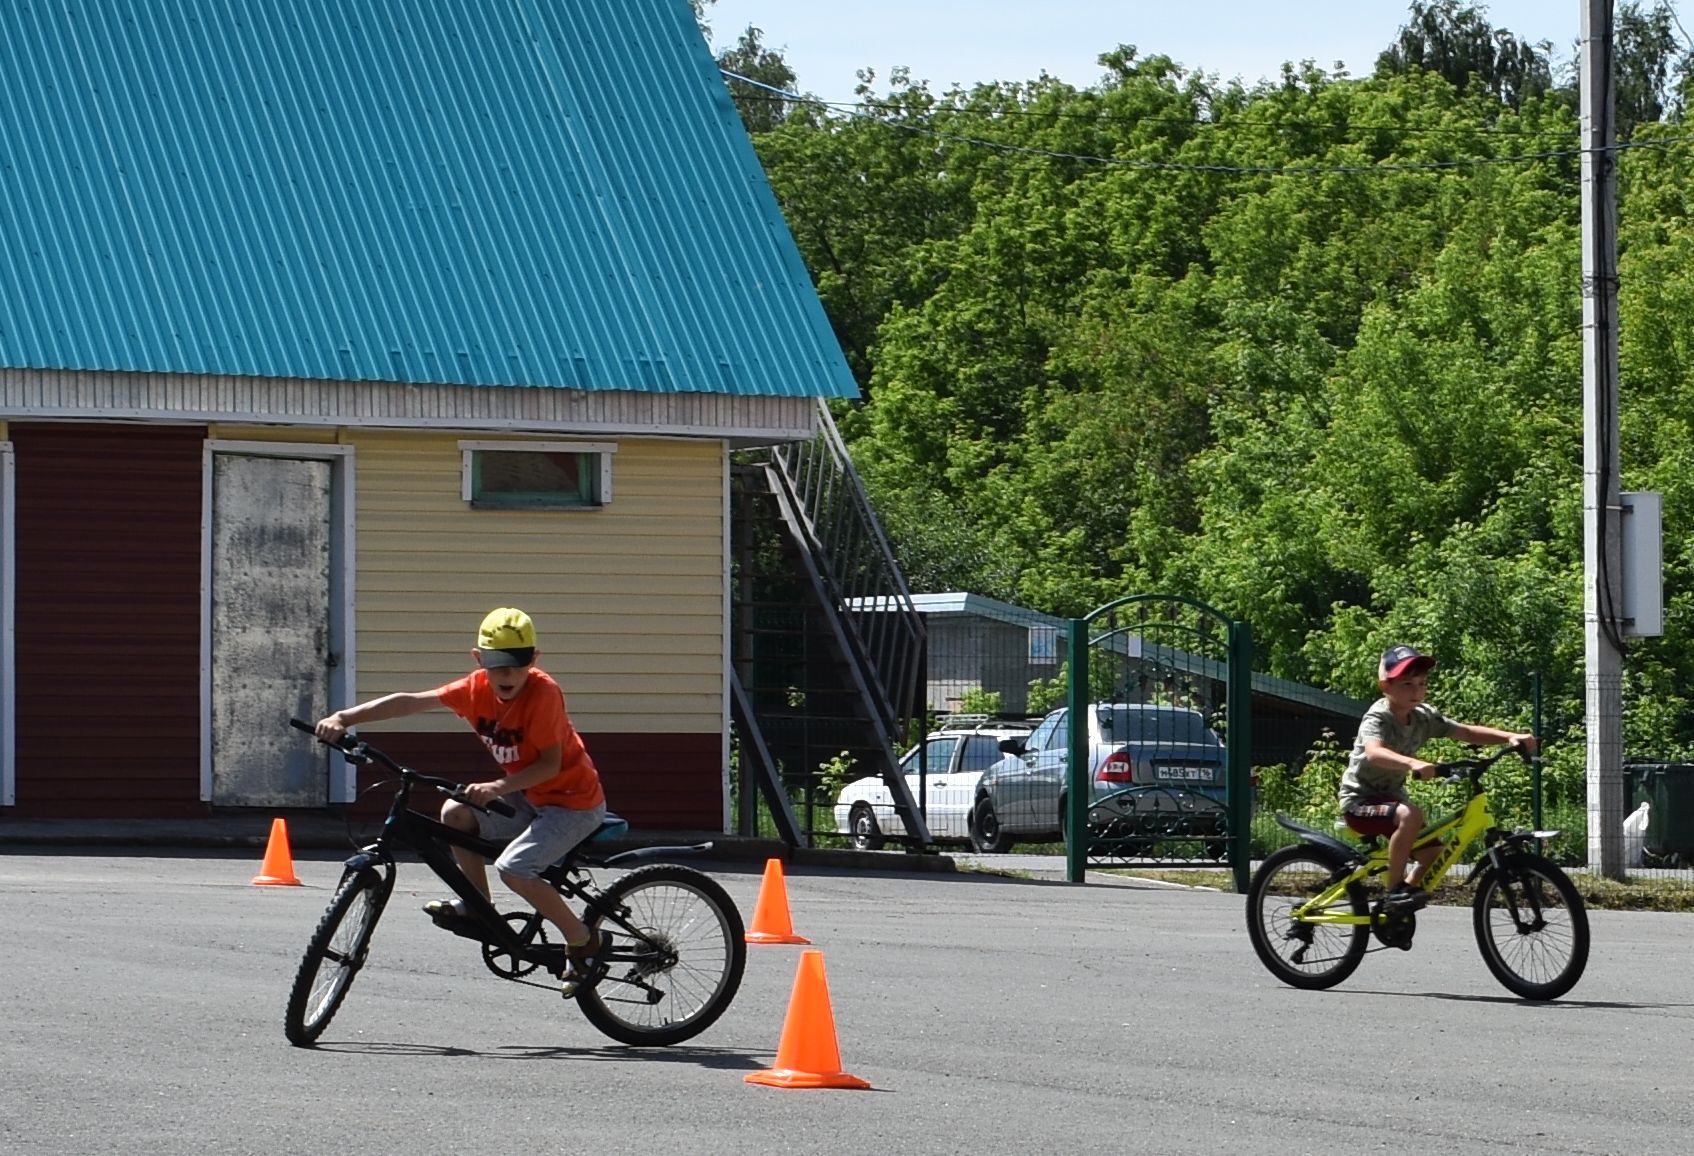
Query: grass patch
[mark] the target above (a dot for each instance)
(1634, 894)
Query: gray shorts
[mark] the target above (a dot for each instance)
(540, 837)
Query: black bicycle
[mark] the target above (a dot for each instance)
(678, 946)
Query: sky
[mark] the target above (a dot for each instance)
(946, 41)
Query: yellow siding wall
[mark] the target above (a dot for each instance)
(628, 600)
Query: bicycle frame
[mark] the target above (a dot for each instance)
(431, 838)
(1467, 826)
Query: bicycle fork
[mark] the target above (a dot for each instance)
(1521, 890)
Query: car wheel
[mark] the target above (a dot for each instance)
(867, 836)
(1217, 849)
(987, 836)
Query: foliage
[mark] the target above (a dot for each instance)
(975, 700)
(1308, 351)
(1455, 41)
(1307, 792)
(761, 109)
(1047, 694)
(834, 774)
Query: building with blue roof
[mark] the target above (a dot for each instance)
(327, 325)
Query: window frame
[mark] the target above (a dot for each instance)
(602, 451)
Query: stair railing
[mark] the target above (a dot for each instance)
(861, 590)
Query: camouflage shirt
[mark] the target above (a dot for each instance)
(1365, 780)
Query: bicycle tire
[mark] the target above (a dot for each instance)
(692, 918)
(1557, 950)
(337, 951)
(1286, 878)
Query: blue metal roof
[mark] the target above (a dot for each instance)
(533, 192)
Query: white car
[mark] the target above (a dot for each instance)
(957, 755)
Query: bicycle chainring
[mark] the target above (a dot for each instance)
(502, 962)
(1394, 928)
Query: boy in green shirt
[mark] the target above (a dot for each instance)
(1373, 789)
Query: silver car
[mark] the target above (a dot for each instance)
(1155, 770)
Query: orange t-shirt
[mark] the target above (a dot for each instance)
(516, 733)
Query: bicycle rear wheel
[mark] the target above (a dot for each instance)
(1305, 955)
(1532, 927)
(337, 951)
(680, 975)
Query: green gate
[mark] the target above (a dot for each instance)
(1160, 733)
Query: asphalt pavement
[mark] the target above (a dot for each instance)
(989, 1013)
(318, 831)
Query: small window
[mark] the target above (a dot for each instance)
(537, 475)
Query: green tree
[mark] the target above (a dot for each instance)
(1454, 40)
(761, 109)
(1308, 351)
(1650, 67)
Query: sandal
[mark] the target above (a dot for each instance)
(586, 963)
(451, 914)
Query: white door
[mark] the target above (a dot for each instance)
(270, 618)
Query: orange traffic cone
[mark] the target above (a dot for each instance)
(771, 923)
(278, 868)
(808, 1056)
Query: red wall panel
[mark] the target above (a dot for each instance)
(667, 782)
(108, 620)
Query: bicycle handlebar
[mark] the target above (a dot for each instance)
(1472, 768)
(357, 750)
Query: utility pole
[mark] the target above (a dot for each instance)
(1602, 512)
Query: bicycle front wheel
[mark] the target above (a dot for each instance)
(1532, 927)
(678, 974)
(337, 951)
(1301, 954)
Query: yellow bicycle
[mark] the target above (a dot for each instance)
(1311, 912)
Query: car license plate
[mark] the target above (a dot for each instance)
(1180, 774)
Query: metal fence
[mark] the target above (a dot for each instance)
(996, 670)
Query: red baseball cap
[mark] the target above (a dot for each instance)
(1398, 661)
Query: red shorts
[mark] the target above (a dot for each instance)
(1372, 816)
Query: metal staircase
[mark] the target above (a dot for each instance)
(828, 655)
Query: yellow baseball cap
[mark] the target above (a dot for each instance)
(506, 638)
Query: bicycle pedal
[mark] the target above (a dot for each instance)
(570, 986)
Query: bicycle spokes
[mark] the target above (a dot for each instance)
(1532, 927)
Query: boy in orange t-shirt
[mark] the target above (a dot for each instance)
(519, 713)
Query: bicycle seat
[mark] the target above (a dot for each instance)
(610, 828)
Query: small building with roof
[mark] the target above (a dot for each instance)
(979, 645)
(328, 325)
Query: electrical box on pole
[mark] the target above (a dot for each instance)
(1643, 564)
